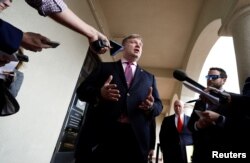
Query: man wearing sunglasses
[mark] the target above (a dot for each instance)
(216, 78)
(207, 122)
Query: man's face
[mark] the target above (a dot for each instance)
(215, 80)
(178, 107)
(133, 49)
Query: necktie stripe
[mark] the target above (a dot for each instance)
(128, 73)
(179, 124)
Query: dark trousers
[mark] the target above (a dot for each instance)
(119, 145)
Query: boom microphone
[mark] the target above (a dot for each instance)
(182, 76)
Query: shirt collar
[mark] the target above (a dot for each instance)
(181, 115)
(126, 61)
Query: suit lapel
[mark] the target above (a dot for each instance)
(137, 76)
(121, 72)
(173, 121)
(185, 120)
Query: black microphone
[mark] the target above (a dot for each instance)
(182, 76)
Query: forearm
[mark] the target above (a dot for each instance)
(47, 7)
(72, 21)
(59, 12)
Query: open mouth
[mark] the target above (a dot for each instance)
(137, 50)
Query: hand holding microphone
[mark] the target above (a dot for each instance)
(224, 96)
(182, 76)
(98, 45)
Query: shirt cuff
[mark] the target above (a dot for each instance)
(47, 7)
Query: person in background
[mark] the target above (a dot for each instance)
(207, 122)
(175, 136)
(125, 100)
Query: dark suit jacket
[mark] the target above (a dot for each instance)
(239, 124)
(212, 138)
(152, 134)
(10, 37)
(172, 142)
(107, 112)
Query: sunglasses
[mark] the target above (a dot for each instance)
(213, 77)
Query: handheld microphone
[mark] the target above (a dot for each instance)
(182, 76)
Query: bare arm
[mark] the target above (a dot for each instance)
(59, 12)
(72, 21)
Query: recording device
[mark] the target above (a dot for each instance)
(22, 57)
(99, 44)
(53, 44)
(182, 76)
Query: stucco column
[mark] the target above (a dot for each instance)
(238, 26)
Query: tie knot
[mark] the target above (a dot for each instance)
(129, 63)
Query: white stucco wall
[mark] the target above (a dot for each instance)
(50, 77)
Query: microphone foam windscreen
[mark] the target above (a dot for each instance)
(179, 75)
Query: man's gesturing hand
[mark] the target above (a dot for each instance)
(149, 101)
(110, 91)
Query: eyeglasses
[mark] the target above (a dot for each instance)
(213, 77)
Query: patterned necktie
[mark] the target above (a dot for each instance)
(179, 124)
(128, 73)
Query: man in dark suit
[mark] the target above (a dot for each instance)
(207, 123)
(125, 100)
(173, 141)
